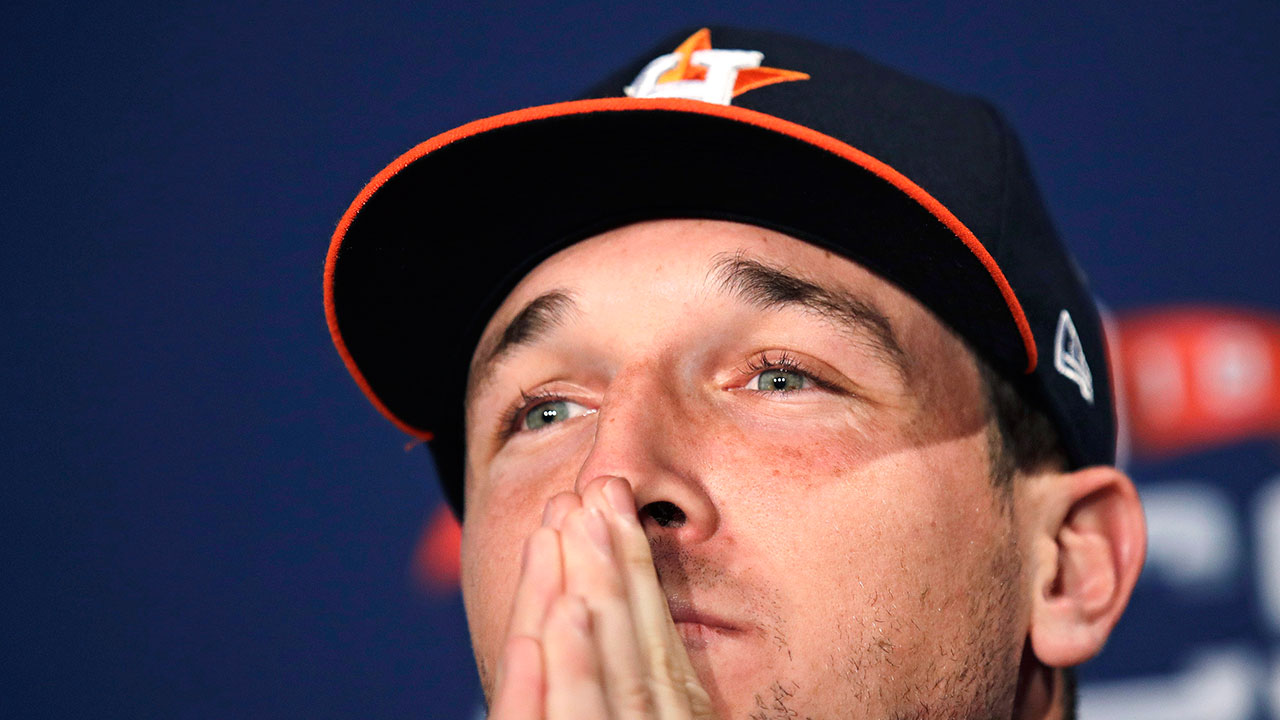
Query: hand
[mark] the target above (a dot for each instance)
(590, 634)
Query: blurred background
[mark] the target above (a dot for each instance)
(204, 517)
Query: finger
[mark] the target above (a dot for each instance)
(520, 687)
(592, 573)
(676, 692)
(574, 689)
(558, 506)
(541, 581)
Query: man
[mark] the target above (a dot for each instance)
(763, 388)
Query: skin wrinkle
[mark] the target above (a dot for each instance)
(772, 287)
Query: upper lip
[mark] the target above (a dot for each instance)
(683, 611)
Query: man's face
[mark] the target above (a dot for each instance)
(822, 435)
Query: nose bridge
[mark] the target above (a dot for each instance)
(637, 413)
(646, 432)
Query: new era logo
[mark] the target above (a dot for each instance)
(1068, 356)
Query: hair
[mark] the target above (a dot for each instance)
(1022, 440)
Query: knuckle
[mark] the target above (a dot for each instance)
(662, 666)
(638, 558)
(633, 699)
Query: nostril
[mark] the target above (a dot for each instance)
(665, 513)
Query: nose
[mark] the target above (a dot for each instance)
(648, 432)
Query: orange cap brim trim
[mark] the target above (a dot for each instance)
(728, 112)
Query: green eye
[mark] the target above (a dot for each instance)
(546, 414)
(552, 412)
(780, 381)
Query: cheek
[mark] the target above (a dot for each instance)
(905, 519)
(485, 558)
(784, 453)
(492, 542)
(504, 506)
(874, 543)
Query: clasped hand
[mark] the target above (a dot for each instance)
(590, 635)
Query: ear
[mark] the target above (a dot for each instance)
(1088, 542)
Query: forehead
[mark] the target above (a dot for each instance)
(661, 250)
(653, 266)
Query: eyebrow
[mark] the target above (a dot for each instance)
(541, 315)
(754, 282)
(769, 287)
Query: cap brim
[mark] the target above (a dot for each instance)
(436, 240)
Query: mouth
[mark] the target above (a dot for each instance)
(697, 627)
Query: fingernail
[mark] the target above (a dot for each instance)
(524, 554)
(598, 530)
(615, 490)
(546, 513)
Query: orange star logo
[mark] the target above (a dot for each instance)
(700, 72)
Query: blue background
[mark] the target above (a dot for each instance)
(203, 516)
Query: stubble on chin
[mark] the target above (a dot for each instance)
(883, 675)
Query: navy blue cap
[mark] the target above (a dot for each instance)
(928, 188)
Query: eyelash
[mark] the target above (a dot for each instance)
(786, 362)
(514, 416)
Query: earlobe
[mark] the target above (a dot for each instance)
(1089, 540)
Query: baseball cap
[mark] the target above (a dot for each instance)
(928, 188)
